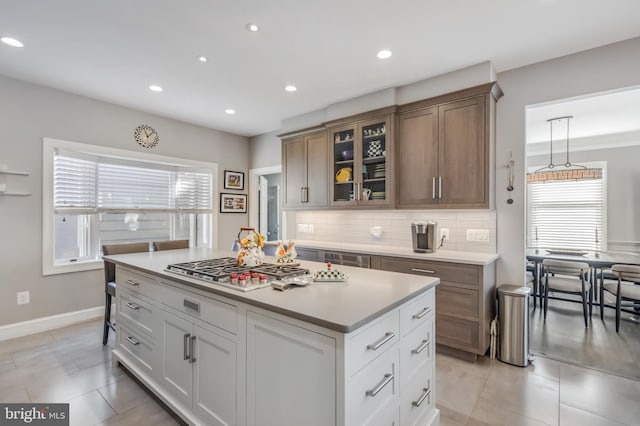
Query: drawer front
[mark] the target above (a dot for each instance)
(416, 351)
(418, 397)
(137, 311)
(417, 312)
(368, 344)
(457, 333)
(450, 272)
(308, 254)
(458, 302)
(136, 282)
(133, 343)
(219, 314)
(374, 391)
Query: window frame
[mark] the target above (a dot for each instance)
(590, 164)
(49, 265)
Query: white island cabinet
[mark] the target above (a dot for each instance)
(345, 354)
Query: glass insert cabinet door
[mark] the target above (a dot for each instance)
(360, 163)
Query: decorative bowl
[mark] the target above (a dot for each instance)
(347, 155)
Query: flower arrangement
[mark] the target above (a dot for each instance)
(252, 241)
(286, 254)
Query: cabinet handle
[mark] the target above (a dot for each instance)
(306, 194)
(440, 187)
(191, 305)
(133, 306)
(192, 358)
(425, 393)
(186, 346)
(133, 341)
(375, 346)
(421, 314)
(387, 379)
(433, 188)
(425, 271)
(420, 348)
(302, 194)
(132, 282)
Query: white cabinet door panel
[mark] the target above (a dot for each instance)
(177, 372)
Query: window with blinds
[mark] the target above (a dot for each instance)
(567, 214)
(103, 185)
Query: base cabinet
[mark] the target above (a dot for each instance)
(290, 374)
(199, 369)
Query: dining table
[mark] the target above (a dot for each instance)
(598, 261)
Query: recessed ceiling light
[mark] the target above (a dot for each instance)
(155, 88)
(230, 111)
(384, 54)
(202, 58)
(290, 88)
(252, 27)
(11, 42)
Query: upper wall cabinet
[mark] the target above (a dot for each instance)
(361, 162)
(445, 150)
(304, 167)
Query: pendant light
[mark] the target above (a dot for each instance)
(567, 163)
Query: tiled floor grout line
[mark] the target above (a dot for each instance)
(484, 384)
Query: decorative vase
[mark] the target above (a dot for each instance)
(251, 256)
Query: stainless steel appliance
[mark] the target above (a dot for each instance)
(348, 259)
(218, 271)
(424, 236)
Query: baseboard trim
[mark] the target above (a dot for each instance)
(38, 325)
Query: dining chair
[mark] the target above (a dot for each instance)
(568, 277)
(110, 280)
(626, 289)
(170, 245)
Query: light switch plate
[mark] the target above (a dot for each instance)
(23, 297)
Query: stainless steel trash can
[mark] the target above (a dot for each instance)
(513, 319)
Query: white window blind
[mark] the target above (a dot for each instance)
(102, 185)
(566, 214)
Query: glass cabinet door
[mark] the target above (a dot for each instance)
(343, 165)
(374, 161)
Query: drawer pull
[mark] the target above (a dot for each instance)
(420, 348)
(131, 282)
(421, 314)
(425, 393)
(133, 341)
(424, 271)
(186, 346)
(191, 305)
(375, 346)
(133, 306)
(387, 379)
(192, 358)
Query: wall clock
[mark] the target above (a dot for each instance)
(146, 136)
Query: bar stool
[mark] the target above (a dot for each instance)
(110, 280)
(627, 291)
(568, 277)
(170, 245)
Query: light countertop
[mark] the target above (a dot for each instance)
(472, 258)
(340, 306)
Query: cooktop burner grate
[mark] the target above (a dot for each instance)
(219, 271)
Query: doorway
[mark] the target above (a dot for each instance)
(265, 194)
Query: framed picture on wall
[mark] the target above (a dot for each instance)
(233, 180)
(233, 203)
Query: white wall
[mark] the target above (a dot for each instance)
(265, 150)
(27, 114)
(605, 68)
(623, 190)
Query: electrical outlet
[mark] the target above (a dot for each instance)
(310, 230)
(444, 233)
(23, 297)
(303, 227)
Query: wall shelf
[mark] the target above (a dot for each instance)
(15, 194)
(8, 172)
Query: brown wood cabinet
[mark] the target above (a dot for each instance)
(464, 299)
(445, 150)
(361, 161)
(304, 170)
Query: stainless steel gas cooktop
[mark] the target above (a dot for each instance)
(224, 271)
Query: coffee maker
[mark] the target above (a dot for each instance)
(424, 236)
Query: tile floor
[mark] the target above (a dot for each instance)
(70, 365)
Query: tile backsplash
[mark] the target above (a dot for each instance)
(468, 229)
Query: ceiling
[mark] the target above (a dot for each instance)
(113, 50)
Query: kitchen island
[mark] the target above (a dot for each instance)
(334, 353)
